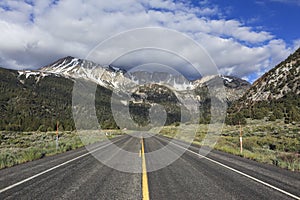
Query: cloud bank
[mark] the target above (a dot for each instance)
(35, 33)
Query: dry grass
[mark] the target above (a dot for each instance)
(20, 147)
(274, 143)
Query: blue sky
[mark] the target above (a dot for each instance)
(244, 38)
(277, 17)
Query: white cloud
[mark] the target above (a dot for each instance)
(296, 44)
(73, 27)
(296, 2)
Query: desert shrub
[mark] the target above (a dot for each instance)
(177, 124)
(235, 119)
(288, 161)
(272, 117)
(49, 129)
(13, 127)
(32, 153)
(7, 159)
(258, 114)
(278, 114)
(250, 143)
(42, 128)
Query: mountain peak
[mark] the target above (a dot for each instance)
(113, 77)
(65, 62)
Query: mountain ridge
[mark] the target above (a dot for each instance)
(39, 98)
(71, 67)
(276, 95)
(287, 70)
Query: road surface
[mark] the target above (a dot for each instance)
(78, 175)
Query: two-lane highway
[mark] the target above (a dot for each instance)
(78, 175)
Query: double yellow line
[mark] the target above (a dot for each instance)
(145, 187)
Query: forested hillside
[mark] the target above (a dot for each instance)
(276, 95)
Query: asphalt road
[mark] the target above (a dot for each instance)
(194, 177)
(78, 175)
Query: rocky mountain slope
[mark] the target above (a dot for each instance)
(36, 99)
(276, 94)
(278, 82)
(114, 78)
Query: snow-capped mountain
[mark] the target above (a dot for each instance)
(111, 76)
(157, 84)
(70, 67)
(117, 79)
(175, 81)
(41, 97)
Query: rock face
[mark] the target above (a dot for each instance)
(145, 87)
(115, 78)
(175, 81)
(235, 87)
(70, 67)
(276, 84)
(41, 97)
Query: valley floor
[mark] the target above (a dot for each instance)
(268, 142)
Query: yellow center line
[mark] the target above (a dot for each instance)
(145, 187)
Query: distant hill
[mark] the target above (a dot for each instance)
(276, 95)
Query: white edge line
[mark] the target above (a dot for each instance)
(48, 170)
(239, 172)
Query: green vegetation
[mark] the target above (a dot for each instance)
(235, 119)
(156, 94)
(287, 108)
(20, 147)
(275, 95)
(271, 142)
(31, 106)
(37, 103)
(204, 108)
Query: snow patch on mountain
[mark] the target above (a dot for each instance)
(115, 78)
